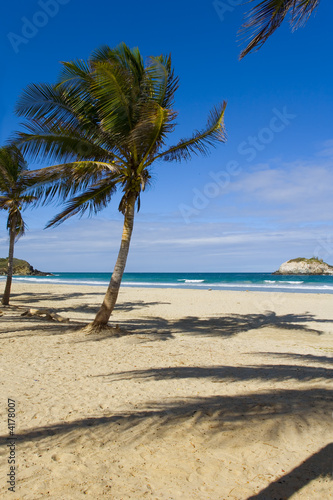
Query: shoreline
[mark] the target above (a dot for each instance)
(197, 395)
(225, 288)
(163, 287)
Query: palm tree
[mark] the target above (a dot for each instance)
(263, 19)
(15, 182)
(107, 120)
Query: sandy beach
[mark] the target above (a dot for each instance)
(198, 395)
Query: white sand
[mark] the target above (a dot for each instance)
(210, 395)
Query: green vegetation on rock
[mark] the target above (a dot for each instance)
(303, 259)
(20, 267)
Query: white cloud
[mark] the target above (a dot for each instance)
(287, 185)
(284, 193)
(327, 149)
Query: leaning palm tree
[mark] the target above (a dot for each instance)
(15, 183)
(263, 19)
(106, 121)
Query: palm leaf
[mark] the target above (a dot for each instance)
(149, 135)
(302, 11)
(92, 200)
(52, 143)
(12, 164)
(200, 142)
(160, 71)
(75, 74)
(123, 57)
(61, 182)
(4, 202)
(45, 104)
(263, 19)
(113, 88)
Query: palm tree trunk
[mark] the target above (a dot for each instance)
(110, 299)
(12, 234)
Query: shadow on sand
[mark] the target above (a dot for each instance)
(220, 414)
(227, 373)
(161, 329)
(317, 465)
(226, 412)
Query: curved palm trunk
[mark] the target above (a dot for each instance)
(110, 299)
(12, 235)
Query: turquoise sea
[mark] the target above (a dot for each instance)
(215, 281)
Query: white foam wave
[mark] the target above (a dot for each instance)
(194, 281)
(283, 281)
(190, 281)
(275, 286)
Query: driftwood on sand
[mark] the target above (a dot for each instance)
(45, 313)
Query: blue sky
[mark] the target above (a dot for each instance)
(263, 197)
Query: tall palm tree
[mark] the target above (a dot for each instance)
(15, 182)
(107, 120)
(263, 19)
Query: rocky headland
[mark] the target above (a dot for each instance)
(305, 266)
(21, 268)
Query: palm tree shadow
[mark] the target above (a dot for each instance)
(156, 328)
(160, 329)
(299, 357)
(223, 413)
(225, 325)
(218, 415)
(228, 374)
(317, 465)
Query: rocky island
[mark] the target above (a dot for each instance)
(305, 266)
(20, 267)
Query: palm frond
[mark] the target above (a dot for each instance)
(12, 164)
(27, 200)
(61, 182)
(61, 109)
(74, 74)
(263, 19)
(54, 143)
(122, 57)
(92, 200)
(165, 83)
(302, 11)
(74, 84)
(150, 133)
(46, 105)
(113, 88)
(4, 202)
(200, 142)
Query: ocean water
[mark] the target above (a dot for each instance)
(215, 281)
